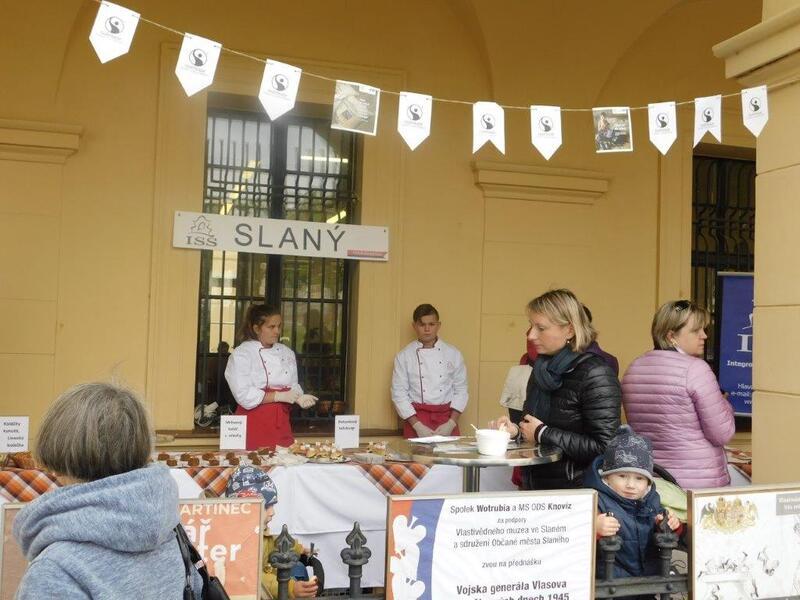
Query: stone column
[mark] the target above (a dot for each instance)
(769, 53)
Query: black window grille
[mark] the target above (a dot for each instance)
(723, 231)
(295, 168)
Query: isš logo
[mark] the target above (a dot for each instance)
(708, 115)
(201, 234)
(414, 112)
(487, 122)
(280, 82)
(545, 124)
(662, 119)
(755, 104)
(198, 57)
(114, 25)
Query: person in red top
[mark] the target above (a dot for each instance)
(262, 375)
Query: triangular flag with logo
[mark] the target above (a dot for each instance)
(197, 63)
(112, 32)
(546, 129)
(279, 88)
(488, 125)
(755, 108)
(663, 125)
(708, 117)
(414, 118)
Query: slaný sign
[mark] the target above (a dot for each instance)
(207, 231)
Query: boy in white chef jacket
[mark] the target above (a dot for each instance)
(429, 382)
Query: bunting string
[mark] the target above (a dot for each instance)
(356, 105)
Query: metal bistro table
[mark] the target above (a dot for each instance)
(464, 453)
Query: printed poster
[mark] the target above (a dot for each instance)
(746, 543)
(491, 546)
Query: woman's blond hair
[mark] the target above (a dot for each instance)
(563, 308)
(95, 430)
(673, 316)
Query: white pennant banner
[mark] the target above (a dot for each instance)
(708, 117)
(197, 63)
(755, 108)
(355, 107)
(663, 125)
(488, 125)
(279, 88)
(414, 118)
(546, 129)
(112, 32)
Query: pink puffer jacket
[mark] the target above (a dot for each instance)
(674, 399)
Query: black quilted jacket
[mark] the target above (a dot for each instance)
(584, 415)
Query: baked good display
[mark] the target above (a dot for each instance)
(193, 461)
(233, 461)
(320, 452)
(171, 462)
(378, 448)
(162, 456)
(208, 455)
(213, 462)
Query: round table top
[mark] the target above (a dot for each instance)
(464, 452)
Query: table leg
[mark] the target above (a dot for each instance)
(472, 479)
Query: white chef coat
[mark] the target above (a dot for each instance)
(429, 376)
(252, 369)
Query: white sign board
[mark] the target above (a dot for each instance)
(233, 432)
(14, 434)
(207, 231)
(492, 546)
(746, 542)
(347, 431)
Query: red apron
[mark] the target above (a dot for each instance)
(430, 415)
(268, 424)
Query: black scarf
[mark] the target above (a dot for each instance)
(547, 375)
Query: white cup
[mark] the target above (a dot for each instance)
(492, 442)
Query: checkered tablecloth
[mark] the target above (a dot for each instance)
(395, 478)
(24, 485)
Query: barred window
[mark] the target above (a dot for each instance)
(294, 168)
(723, 230)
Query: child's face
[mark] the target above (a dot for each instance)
(269, 331)
(427, 328)
(269, 512)
(628, 484)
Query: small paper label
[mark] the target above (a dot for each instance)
(14, 434)
(233, 432)
(347, 431)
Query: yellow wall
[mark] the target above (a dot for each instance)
(102, 293)
(769, 54)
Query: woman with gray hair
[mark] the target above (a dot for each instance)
(573, 397)
(109, 532)
(672, 396)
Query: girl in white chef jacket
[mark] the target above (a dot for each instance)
(429, 382)
(262, 374)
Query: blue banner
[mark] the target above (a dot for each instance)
(736, 340)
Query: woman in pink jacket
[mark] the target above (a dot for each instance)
(671, 396)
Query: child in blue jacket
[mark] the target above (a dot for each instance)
(629, 505)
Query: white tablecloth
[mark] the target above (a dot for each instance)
(319, 503)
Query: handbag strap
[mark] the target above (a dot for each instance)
(188, 594)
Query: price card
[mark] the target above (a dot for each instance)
(347, 431)
(14, 434)
(233, 432)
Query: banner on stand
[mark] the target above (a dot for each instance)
(488, 125)
(546, 129)
(112, 32)
(197, 63)
(736, 339)
(663, 124)
(279, 87)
